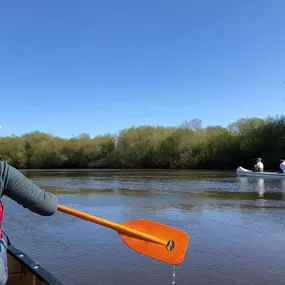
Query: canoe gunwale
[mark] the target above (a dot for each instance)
(41, 273)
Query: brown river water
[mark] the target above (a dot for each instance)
(236, 226)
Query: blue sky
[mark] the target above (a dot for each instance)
(68, 67)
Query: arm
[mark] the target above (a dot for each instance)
(25, 192)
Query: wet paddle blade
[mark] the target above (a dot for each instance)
(155, 250)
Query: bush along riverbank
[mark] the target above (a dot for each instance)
(187, 146)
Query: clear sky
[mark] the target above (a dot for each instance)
(68, 67)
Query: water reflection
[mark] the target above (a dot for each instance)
(271, 189)
(283, 186)
(259, 187)
(236, 188)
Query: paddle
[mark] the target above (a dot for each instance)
(150, 238)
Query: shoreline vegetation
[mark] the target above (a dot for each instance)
(188, 146)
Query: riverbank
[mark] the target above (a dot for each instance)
(188, 146)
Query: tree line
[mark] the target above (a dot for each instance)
(188, 146)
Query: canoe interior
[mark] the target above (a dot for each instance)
(24, 271)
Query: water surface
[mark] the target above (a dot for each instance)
(236, 226)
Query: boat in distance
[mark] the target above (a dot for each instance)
(245, 172)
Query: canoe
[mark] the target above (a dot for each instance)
(245, 172)
(22, 270)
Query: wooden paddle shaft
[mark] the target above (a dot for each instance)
(109, 224)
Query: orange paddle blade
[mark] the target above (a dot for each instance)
(146, 237)
(174, 250)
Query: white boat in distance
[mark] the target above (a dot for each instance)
(245, 172)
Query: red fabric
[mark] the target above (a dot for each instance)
(1, 217)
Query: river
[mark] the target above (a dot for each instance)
(236, 227)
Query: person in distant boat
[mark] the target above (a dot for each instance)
(22, 190)
(259, 166)
(282, 165)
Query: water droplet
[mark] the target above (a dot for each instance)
(173, 274)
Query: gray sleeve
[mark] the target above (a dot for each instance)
(26, 193)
